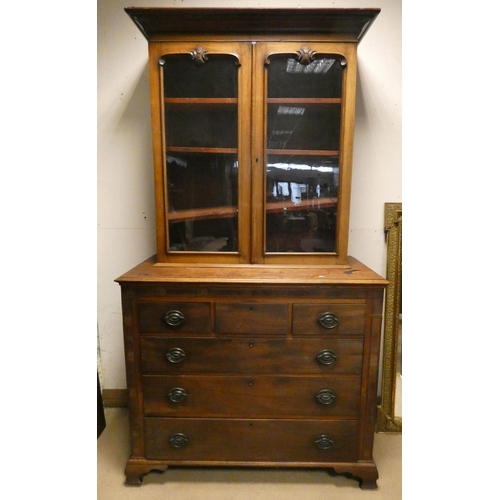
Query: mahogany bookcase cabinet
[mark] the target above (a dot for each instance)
(251, 337)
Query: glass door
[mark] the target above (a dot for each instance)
(203, 144)
(303, 104)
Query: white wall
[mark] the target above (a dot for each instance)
(126, 227)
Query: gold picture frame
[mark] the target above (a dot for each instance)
(388, 419)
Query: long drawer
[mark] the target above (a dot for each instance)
(258, 355)
(253, 396)
(247, 440)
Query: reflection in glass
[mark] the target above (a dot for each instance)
(321, 78)
(304, 126)
(301, 203)
(217, 77)
(201, 135)
(201, 126)
(203, 198)
(304, 109)
(215, 235)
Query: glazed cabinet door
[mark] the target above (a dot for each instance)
(303, 128)
(200, 95)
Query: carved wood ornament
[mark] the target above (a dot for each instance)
(305, 55)
(199, 55)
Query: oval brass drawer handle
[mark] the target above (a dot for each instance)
(325, 397)
(328, 320)
(174, 318)
(326, 357)
(177, 395)
(175, 355)
(179, 440)
(324, 442)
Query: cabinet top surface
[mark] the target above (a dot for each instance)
(153, 22)
(354, 273)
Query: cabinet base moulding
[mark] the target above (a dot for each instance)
(365, 472)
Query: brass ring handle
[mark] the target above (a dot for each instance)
(177, 395)
(179, 440)
(326, 357)
(174, 318)
(324, 442)
(175, 355)
(328, 320)
(325, 397)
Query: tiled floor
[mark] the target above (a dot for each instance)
(237, 483)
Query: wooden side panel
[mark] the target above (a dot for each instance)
(132, 364)
(370, 378)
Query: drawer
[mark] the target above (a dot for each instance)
(326, 319)
(233, 355)
(247, 440)
(174, 317)
(251, 396)
(251, 318)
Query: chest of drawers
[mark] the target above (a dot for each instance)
(252, 366)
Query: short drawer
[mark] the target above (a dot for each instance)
(251, 441)
(174, 317)
(325, 319)
(258, 355)
(251, 318)
(251, 396)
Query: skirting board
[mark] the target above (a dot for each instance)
(115, 398)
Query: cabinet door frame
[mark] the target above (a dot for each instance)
(242, 51)
(262, 52)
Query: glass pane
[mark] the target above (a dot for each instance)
(301, 204)
(217, 77)
(303, 126)
(304, 113)
(288, 78)
(216, 235)
(196, 125)
(201, 135)
(203, 200)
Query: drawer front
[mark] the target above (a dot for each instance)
(251, 318)
(251, 396)
(326, 319)
(205, 440)
(174, 317)
(229, 355)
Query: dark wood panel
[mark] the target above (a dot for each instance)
(257, 395)
(251, 318)
(349, 23)
(351, 319)
(251, 440)
(101, 417)
(251, 355)
(151, 317)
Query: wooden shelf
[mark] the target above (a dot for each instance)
(182, 149)
(271, 207)
(304, 152)
(316, 203)
(201, 100)
(202, 214)
(304, 100)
